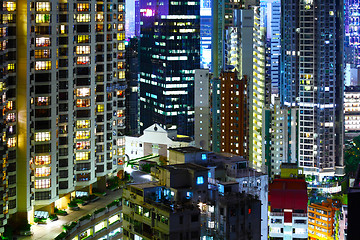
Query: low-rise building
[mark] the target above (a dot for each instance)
(321, 219)
(288, 209)
(154, 141)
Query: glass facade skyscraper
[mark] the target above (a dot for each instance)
(169, 54)
(312, 80)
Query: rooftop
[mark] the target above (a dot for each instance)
(188, 150)
(191, 166)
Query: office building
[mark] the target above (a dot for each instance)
(312, 80)
(288, 217)
(205, 34)
(169, 55)
(62, 82)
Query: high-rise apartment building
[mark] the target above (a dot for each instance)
(352, 34)
(62, 82)
(312, 79)
(169, 54)
(234, 129)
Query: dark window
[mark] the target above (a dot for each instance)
(43, 195)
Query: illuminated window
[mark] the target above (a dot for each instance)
(82, 123)
(11, 67)
(120, 113)
(42, 101)
(121, 8)
(41, 160)
(100, 226)
(10, 6)
(83, 38)
(121, 46)
(43, 42)
(121, 74)
(42, 18)
(83, 60)
(99, 17)
(63, 29)
(100, 108)
(43, 65)
(83, 92)
(83, 7)
(120, 36)
(82, 49)
(82, 156)
(42, 172)
(83, 17)
(82, 134)
(114, 219)
(120, 27)
(203, 156)
(11, 142)
(200, 180)
(42, 183)
(43, 53)
(83, 145)
(82, 102)
(120, 65)
(43, 6)
(11, 117)
(42, 136)
(9, 105)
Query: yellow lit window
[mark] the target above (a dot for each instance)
(121, 17)
(43, 53)
(83, 60)
(42, 172)
(83, 38)
(83, 17)
(83, 7)
(99, 17)
(63, 29)
(42, 18)
(42, 136)
(42, 101)
(41, 160)
(10, 6)
(9, 105)
(100, 108)
(83, 103)
(11, 142)
(83, 92)
(1, 86)
(42, 183)
(3, 31)
(120, 36)
(120, 65)
(83, 145)
(100, 226)
(43, 42)
(82, 124)
(11, 67)
(82, 156)
(43, 6)
(43, 65)
(121, 74)
(83, 134)
(121, 7)
(82, 49)
(121, 46)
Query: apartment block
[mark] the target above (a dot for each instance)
(322, 219)
(62, 82)
(288, 217)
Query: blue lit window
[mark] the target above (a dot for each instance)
(209, 174)
(188, 195)
(200, 180)
(203, 156)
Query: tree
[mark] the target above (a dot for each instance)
(352, 156)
